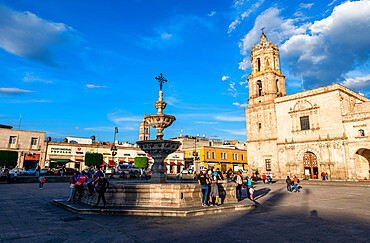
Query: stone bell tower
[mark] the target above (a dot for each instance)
(144, 130)
(265, 83)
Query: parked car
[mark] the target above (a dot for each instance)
(67, 171)
(126, 169)
(29, 172)
(19, 171)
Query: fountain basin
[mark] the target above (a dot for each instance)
(160, 195)
(159, 150)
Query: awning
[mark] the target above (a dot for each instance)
(79, 160)
(172, 163)
(179, 163)
(60, 160)
(165, 163)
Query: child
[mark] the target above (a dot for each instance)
(41, 182)
(251, 190)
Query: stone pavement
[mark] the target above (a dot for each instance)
(317, 213)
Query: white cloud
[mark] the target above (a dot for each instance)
(123, 116)
(26, 35)
(232, 89)
(322, 51)
(31, 77)
(13, 91)
(235, 131)
(204, 122)
(224, 78)
(306, 5)
(240, 105)
(92, 86)
(212, 13)
(358, 82)
(26, 101)
(244, 15)
(229, 118)
(166, 36)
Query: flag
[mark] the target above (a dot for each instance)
(116, 129)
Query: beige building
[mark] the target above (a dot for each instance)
(72, 155)
(320, 130)
(28, 144)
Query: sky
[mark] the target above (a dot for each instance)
(81, 68)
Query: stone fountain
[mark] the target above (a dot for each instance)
(157, 193)
(159, 149)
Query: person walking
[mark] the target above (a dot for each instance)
(288, 184)
(90, 184)
(72, 182)
(41, 182)
(214, 190)
(269, 178)
(327, 176)
(204, 185)
(102, 185)
(79, 187)
(38, 171)
(264, 178)
(249, 183)
(323, 176)
(295, 181)
(239, 183)
(251, 191)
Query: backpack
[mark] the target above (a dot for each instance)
(42, 180)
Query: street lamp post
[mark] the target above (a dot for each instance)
(114, 148)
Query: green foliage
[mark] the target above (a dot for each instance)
(8, 158)
(141, 162)
(94, 159)
(256, 172)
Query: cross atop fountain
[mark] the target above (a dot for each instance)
(161, 80)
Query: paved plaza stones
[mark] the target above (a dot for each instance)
(318, 213)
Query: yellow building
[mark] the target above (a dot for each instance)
(222, 157)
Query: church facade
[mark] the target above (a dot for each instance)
(325, 129)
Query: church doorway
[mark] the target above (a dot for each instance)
(310, 165)
(363, 163)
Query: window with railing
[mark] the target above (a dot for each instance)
(213, 155)
(208, 155)
(12, 141)
(34, 142)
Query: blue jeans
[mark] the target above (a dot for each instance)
(289, 187)
(70, 196)
(41, 184)
(268, 180)
(296, 187)
(205, 194)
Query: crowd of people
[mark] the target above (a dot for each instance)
(96, 182)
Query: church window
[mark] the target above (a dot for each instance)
(361, 133)
(258, 65)
(268, 164)
(277, 85)
(305, 123)
(259, 87)
(267, 63)
(259, 125)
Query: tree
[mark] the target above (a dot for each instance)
(141, 162)
(93, 159)
(8, 158)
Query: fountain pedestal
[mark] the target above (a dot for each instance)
(158, 149)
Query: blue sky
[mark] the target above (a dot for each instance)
(80, 68)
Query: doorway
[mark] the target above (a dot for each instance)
(310, 165)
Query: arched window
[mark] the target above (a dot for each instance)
(361, 133)
(258, 65)
(277, 85)
(267, 62)
(259, 87)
